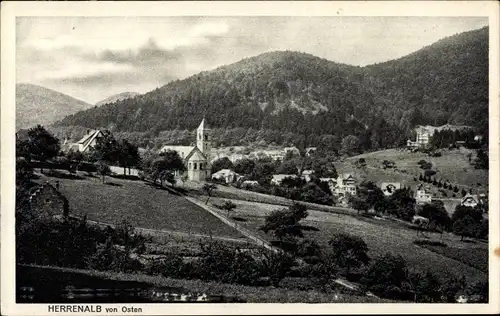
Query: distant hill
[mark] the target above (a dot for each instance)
(39, 105)
(288, 97)
(117, 97)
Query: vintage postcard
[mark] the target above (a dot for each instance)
(163, 158)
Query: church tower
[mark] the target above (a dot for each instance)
(204, 140)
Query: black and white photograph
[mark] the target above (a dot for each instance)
(232, 158)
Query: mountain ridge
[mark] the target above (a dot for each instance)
(445, 82)
(40, 105)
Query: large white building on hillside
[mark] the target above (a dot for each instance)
(196, 158)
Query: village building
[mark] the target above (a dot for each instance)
(226, 175)
(310, 151)
(423, 194)
(87, 142)
(196, 158)
(346, 184)
(249, 184)
(388, 188)
(425, 133)
(470, 200)
(306, 175)
(278, 178)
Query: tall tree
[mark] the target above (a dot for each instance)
(42, 144)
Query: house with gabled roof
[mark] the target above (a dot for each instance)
(87, 142)
(423, 194)
(470, 200)
(346, 184)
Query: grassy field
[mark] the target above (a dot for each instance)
(139, 203)
(380, 236)
(453, 165)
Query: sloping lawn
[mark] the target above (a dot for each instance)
(380, 236)
(139, 203)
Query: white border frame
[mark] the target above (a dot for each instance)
(10, 10)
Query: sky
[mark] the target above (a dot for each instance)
(92, 58)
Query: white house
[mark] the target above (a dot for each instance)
(346, 184)
(306, 175)
(87, 142)
(226, 175)
(470, 200)
(388, 188)
(196, 158)
(423, 194)
(278, 178)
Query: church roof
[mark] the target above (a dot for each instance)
(196, 155)
(203, 125)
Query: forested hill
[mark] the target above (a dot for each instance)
(446, 82)
(39, 105)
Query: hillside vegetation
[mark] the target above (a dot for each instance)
(39, 105)
(279, 93)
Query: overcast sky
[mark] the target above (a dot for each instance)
(93, 58)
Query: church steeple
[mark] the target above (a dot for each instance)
(204, 139)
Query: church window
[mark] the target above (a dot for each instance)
(189, 165)
(201, 166)
(194, 166)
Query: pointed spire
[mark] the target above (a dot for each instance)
(203, 125)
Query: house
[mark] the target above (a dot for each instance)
(346, 184)
(196, 158)
(48, 201)
(423, 194)
(249, 184)
(470, 200)
(278, 178)
(306, 175)
(425, 133)
(310, 151)
(87, 142)
(294, 151)
(226, 175)
(388, 188)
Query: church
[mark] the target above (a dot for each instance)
(197, 158)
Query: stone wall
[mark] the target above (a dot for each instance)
(49, 201)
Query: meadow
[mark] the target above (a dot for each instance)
(381, 237)
(141, 204)
(453, 165)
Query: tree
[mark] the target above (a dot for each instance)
(287, 167)
(128, 155)
(244, 166)
(361, 163)
(103, 169)
(276, 265)
(221, 163)
(452, 287)
(464, 227)
(285, 222)
(24, 171)
(228, 206)
(165, 166)
(311, 192)
(358, 204)
(75, 158)
(106, 149)
(351, 145)
(208, 188)
(387, 277)
(436, 213)
(481, 161)
(402, 204)
(42, 144)
(349, 251)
